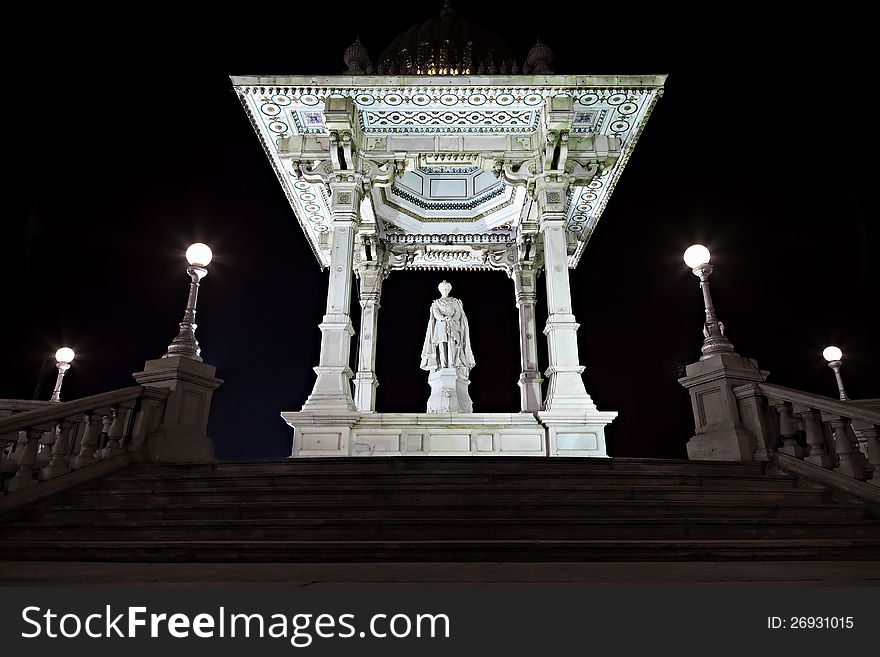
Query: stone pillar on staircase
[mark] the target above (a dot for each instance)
(727, 428)
(182, 433)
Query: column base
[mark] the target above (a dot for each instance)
(365, 384)
(321, 433)
(576, 433)
(332, 390)
(530, 397)
(449, 392)
(566, 392)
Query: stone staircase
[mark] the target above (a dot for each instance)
(445, 509)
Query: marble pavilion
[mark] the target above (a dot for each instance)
(447, 155)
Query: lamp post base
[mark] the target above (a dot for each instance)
(183, 433)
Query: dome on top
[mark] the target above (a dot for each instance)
(446, 46)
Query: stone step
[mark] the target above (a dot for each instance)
(444, 509)
(442, 465)
(324, 481)
(444, 551)
(358, 529)
(58, 513)
(365, 494)
(513, 486)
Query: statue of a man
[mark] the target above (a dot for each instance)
(448, 340)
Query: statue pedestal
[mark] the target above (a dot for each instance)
(449, 392)
(416, 434)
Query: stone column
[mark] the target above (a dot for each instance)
(574, 425)
(566, 389)
(332, 389)
(524, 284)
(371, 273)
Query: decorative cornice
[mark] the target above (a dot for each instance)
(318, 82)
(304, 112)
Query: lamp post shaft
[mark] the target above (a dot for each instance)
(185, 344)
(711, 317)
(62, 370)
(715, 341)
(835, 366)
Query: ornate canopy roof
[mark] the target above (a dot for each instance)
(451, 156)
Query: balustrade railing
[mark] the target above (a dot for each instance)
(52, 440)
(842, 436)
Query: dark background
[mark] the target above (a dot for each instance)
(124, 143)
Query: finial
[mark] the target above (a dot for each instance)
(447, 11)
(356, 58)
(539, 59)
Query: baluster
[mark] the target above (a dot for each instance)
(849, 464)
(872, 437)
(76, 440)
(59, 464)
(812, 423)
(89, 442)
(858, 453)
(44, 448)
(114, 436)
(106, 422)
(27, 457)
(7, 449)
(788, 430)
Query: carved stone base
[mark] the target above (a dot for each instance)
(577, 433)
(449, 392)
(182, 436)
(416, 434)
(447, 434)
(736, 444)
(726, 428)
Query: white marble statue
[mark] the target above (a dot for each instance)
(448, 340)
(447, 355)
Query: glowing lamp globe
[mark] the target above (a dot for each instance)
(64, 355)
(832, 353)
(199, 255)
(696, 255)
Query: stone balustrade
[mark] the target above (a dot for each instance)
(838, 436)
(52, 440)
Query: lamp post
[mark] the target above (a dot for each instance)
(63, 358)
(697, 258)
(834, 356)
(185, 344)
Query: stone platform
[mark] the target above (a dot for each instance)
(446, 434)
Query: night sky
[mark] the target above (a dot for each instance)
(126, 143)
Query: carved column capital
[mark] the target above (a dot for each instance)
(550, 193)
